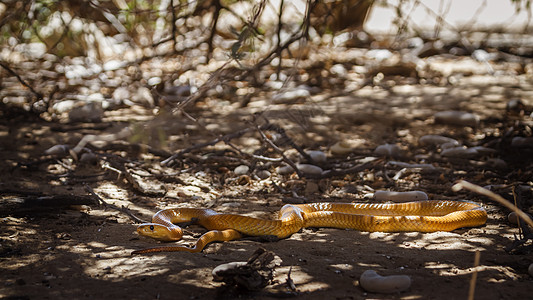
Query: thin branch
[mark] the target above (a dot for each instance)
(37, 94)
(302, 32)
(275, 147)
(216, 15)
(280, 26)
(473, 280)
(112, 206)
(174, 29)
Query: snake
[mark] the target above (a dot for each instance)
(419, 216)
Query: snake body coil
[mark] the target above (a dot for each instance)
(422, 216)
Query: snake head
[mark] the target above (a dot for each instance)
(160, 232)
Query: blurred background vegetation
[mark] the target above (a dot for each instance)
(53, 38)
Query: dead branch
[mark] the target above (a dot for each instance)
(24, 83)
(281, 152)
(112, 206)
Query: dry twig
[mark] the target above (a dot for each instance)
(112, 206)
(472, 288)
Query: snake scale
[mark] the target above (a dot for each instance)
(421, 216)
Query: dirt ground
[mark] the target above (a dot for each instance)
(51, 249)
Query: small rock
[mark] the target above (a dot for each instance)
(291, 96)
(143, 96)
(379, 54)
(263, 174)
(241, 170)
(526, 142)
(317, 156)
(154, 81)
(371, 281)
(64, 106)
(459, 118)
(481, 55)
(285, 170)
(121, 93)
(388, 150)
(513, 218)
(437, 140)
(496, 163)
(309, 169)
(113, 65)
(304, 168)
(338, 69)
(459, 152)
(59, 150)
(341, 148)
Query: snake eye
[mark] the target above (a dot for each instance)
(152, 227)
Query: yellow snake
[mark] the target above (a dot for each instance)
(421, 216)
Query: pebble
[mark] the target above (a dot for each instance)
(372, 282)
(304, 168)
(379, 54)
(389, 150)
(57, 150)
(481, 55)
(285, 170)
(340, 148)
(64, 106)
(496, 163)
(459, 152)
(113, 65)
(437, 140)
(263, 174)
(309, 169)
(121, 93)
(291, 96)
(338, 69)
(241, 170)
(317, 156)
(460, 118)
(526, 142)
(512, 217)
